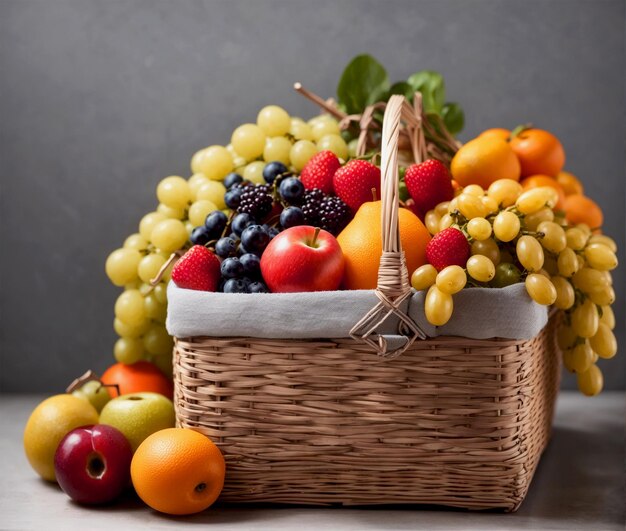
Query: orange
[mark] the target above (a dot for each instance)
(485, 160)
(139, 377)
(498, 132)
(539, 152)
(178, 471)
(362, 246)
(535, 181)
(570, 183)
(581, 209)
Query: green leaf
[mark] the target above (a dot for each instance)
(363, 82)
(454, 117)
(402, 88)
(432, 87)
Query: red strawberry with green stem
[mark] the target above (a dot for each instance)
(355, 181)
(319, 172)
(428, 184)
(198, 269)
(448, 247)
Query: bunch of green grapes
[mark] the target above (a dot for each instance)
(141, 309)
(515, 236)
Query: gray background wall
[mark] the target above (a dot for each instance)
(99, 100)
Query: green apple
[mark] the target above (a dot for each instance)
(138, 415)
(95, 393)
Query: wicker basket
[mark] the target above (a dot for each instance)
(447, 421)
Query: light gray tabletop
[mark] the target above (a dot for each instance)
(579, 485)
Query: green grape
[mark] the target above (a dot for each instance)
(480, 268)
(605, 240)
(603, 342)
(576, 238)
(121, 266)
(325, 127)
(532, 221)
(567, 359)
(249, 141)
(149, 266)
(300, 130)
(274, 121)
(540, 289)
(565, 295)
(174, 192)
(136, 241)
(215, 162)
(553, 236)
(608, 317)
(438, 306)
(333, 143)
(156, 341)
(591, 381)
(506, 275)
(352, 147)
(132, 332)
(164, 363)
(565, 337)
(446, 221)
(470, 206)
(195, 182)
(506, 226)
(567, 263)
(154, 309)
(189, 226)
(603, 297)
(133, 285)
(600, 257)
(301, 152)
(585, 319)
(589, 280)
(277, 148)
(171, 213)
(148, 222)
(535, 199)
(504, 191)
(199, 211)
(424, 277)
(195, 161)
(488, 248)
(432, 220)
(451, 279)
(170, 235)
(453, 205)
(490, 204)
(474, 189)
(442, 208)
(477, 228)
(160, 293)
(212, 191)
(128, 351)
(129, 308)
(550, 265)
(254, 172)
(581, 357)
(585, 228)
(529, 252)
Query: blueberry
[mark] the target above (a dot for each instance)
(255, 238)
(251, 264)
(273, 232)
(273, 170)
(291, 216)
(215, 223)
(231, 268)
(257, 287)
(226, 247)
(200, 236)
(292, 190)
(233, 196)
(232, 179)
(240, 222)
(235, 285)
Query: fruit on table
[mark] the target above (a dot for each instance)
(582, 209)
(303, 258)
(448, 247)
(95, 393)
(138, 415)
(49, 422)
(354, 183)
(136, 378)
(428, 184)
(92, 464)
(319, 172)
(539, 152)
(198, 269)
(361, 243)
(178, 471)
(483, 161)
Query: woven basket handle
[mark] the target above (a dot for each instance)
(393, 277)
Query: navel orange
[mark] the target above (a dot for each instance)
(139, 377)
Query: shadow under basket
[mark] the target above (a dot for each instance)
(452, 421)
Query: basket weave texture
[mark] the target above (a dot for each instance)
(446, 421)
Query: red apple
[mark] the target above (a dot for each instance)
(302, 258)
(92, 464)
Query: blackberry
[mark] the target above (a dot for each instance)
(334, 215)
(311, 206)
(256, 201)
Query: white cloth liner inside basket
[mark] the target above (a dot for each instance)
(479, 313)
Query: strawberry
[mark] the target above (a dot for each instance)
(448, 247)
(354, 182)
(429, 184)
(198, 269)
(319, 171)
